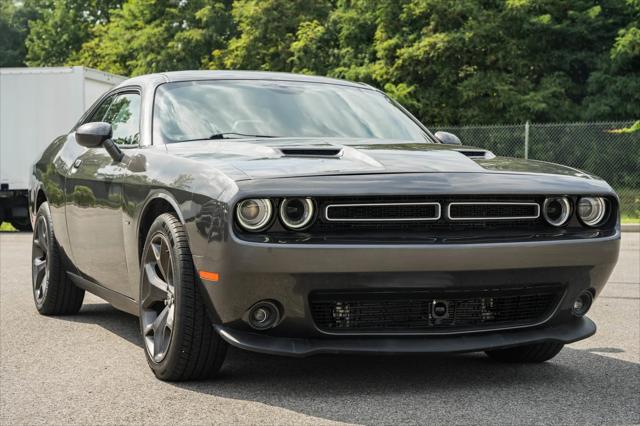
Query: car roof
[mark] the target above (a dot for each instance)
(166, 77)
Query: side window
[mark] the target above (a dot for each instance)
(124, 116)
(99, 113)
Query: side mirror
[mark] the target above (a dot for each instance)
(448, 138)
(92, 135)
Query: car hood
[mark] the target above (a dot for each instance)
(289, 157)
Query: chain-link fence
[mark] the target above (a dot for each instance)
(593, 147)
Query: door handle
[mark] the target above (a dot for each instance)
(77, 163)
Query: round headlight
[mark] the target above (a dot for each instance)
(254, 214)
(592, 210)
(556, 210)
(296, 213)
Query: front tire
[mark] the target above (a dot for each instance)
(534, 353)
(180, 342)
(53, 291)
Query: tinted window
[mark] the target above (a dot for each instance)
(124, 116)
(199, 109)
(99, 113)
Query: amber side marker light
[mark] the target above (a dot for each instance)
(209, 276)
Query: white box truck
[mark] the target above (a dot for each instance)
(36, 106)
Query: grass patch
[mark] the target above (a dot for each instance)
(6, 227)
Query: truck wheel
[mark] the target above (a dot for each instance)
(534, 353)
(21, 225)
(53, 291)
(180, 342)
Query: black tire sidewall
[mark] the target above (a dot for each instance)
(170, 361)
(53, 264)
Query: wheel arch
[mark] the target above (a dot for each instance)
(156, 204)
(35, 198)
(41, 197)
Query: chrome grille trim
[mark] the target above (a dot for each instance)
(489, 203)
(437, 206)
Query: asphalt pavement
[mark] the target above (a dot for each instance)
(90, 369)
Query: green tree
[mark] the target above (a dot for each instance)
(266, 30)
(62, 27)
(13, 31)
(450, 62)
(158, 35)
(614, 88)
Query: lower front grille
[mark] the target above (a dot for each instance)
(432, 311)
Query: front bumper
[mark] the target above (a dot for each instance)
(574, 330)
(251, 272)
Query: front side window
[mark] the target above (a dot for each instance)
(196, 110)
(124, 116)
(101, 111)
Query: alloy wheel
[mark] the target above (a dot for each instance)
(39, 263)
(158, 297)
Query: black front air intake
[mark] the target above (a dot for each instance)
(432, 311)
(311, 152)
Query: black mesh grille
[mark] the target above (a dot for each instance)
(480, 211)
(324, 226)
(383, 212)
(432, 311)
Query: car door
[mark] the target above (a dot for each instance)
(95, 202)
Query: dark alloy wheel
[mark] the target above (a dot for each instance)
(39, 275)
(179, 339)
(53, 291)
(158, 297)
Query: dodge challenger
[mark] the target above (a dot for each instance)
(297, 215)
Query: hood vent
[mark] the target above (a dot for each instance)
(477, 153)
(311, 152)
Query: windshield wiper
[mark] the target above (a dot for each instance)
(225, 134)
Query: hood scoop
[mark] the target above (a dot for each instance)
(477, 153)
(331, 152)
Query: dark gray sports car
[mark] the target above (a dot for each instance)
(298, 215)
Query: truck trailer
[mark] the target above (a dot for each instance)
(36, 106)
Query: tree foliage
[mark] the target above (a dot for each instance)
(466, 61)
(13, 31)
(157, 35)
(62, 27)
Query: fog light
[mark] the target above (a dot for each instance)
(263, 315)
(582, 304)
(260, 315)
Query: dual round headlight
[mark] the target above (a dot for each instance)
(255, 214)
(296, 213)
(591, 210)
(556, 210)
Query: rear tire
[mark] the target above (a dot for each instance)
(179, 339)
(53, 291)
(534, 353)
